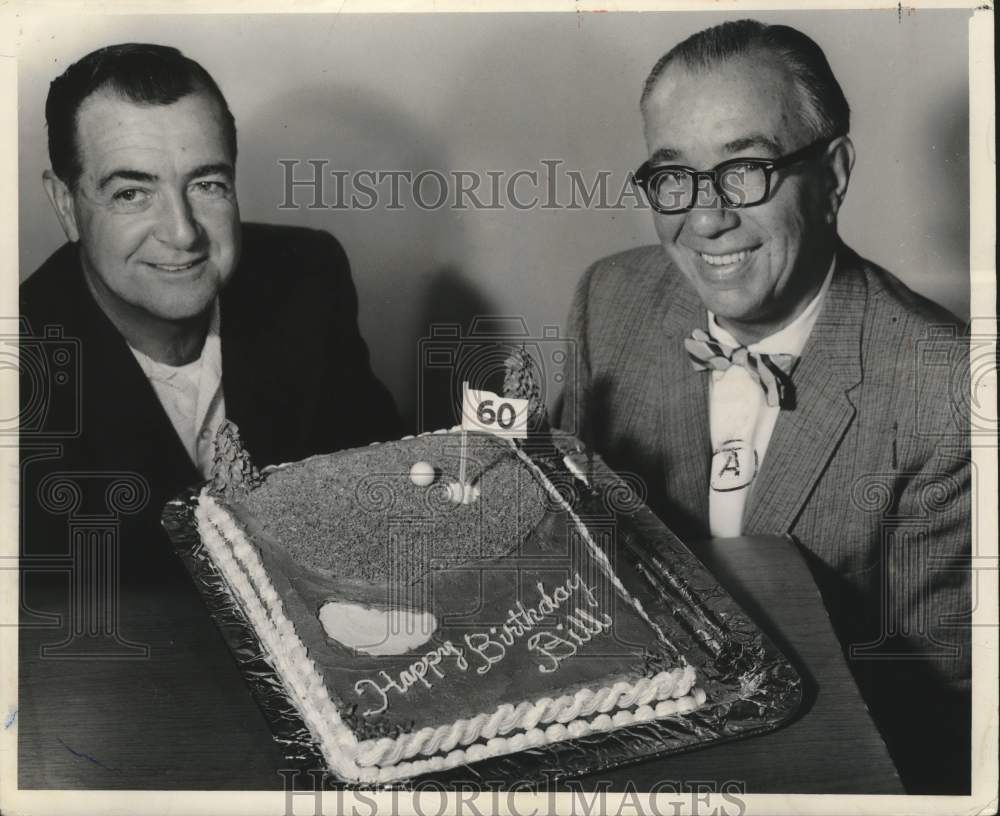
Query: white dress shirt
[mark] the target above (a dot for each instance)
(742, 422)
(191, 395)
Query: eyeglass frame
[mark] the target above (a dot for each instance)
(646, 172)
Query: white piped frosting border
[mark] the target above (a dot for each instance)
(387, 759)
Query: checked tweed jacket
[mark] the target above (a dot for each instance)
(869, 472)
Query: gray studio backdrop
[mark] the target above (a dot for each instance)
(502, 93)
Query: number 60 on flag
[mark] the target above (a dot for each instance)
(502, 416)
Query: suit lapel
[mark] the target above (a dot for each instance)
(259, 373)
(805, 438)
(684, 432)
(239, 384)
(127, 427)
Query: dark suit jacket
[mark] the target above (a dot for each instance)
(296, 380)
(870, 472)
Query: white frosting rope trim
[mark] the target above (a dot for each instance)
(235, 559)
(675, 683)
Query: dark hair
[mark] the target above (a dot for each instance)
(139, 72)
(826, 110)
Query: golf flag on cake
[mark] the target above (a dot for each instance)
(486, 411)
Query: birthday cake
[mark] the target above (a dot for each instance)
(414, 632)
(437, 600)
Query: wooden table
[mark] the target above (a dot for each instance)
(182, 717)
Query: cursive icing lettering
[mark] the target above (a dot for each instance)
(416, 672)
(551, 646)
(490, 650)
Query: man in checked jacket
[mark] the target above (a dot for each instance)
(762, 378)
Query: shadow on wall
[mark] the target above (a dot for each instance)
(450, 305)
(407, 261)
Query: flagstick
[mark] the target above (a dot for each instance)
(461, 461)
(465, 438)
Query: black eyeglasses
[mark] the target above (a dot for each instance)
(673, 188)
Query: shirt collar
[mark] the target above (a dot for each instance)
(211, 353)
(789, 340)
(210, 357)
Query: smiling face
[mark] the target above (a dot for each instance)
(758, 267)
(154, 209)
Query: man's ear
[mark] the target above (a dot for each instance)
(61, 198)
(840, 161)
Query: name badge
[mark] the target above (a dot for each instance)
(734, 465)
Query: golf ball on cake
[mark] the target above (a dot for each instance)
(422, 474)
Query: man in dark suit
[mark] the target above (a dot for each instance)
(161, 318)
(763, 379)
(177, 315)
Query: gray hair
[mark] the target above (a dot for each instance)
(826, 110)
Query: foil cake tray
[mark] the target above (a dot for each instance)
(751, 687)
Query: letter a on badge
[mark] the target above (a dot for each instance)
(734, 465)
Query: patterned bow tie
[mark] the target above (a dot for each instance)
(770, 371)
